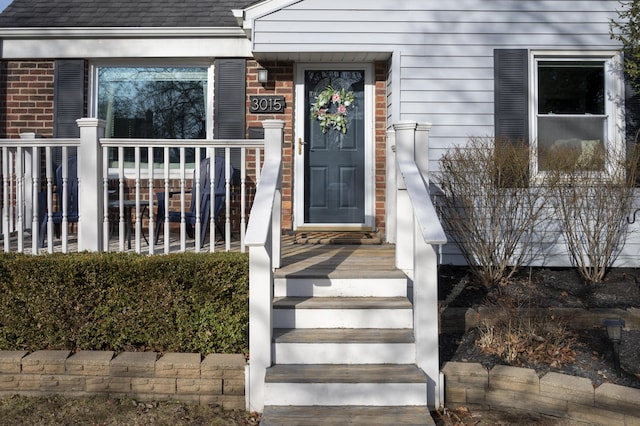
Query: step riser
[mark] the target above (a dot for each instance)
(342, 318)
(340, 287)
(373, 394)
(344, 353)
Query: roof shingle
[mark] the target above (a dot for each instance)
(121, 13)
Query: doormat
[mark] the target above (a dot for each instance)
(336, 238)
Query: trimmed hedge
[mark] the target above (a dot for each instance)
(115, 301)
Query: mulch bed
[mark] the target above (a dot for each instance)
(551, 288)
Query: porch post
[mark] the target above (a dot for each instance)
(422, 150)
(405, 142)
(90, 184)
(391, 189)
(273, 140)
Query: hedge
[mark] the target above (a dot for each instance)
(115, 301)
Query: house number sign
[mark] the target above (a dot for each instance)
(267, 104)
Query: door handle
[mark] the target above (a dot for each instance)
(300, 143)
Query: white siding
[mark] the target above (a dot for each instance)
(445, 53)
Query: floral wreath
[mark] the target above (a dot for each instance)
(337, 120)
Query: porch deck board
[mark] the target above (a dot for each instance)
(347, 373)
(338, 261)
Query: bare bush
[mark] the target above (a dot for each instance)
(488, 208)
(594, 194)
(522, 339)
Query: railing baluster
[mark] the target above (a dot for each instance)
(183, 186)
(151, 232)
(197, 184)
(137, 202)
(227, 198)
(48, 160)
(105, 200)
(122, 231)
(35, 182)
(243, 198)
(20, 197)
(65, 199)
(166, 200)
(5, 200)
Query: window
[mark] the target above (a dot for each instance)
(574, 111)
(158, 102)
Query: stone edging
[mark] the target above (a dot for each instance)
(216, 379)
(553, 394)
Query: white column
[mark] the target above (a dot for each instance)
(273, 141)
(391, 189)
(405, 142)
(422, 149)
(90, 209)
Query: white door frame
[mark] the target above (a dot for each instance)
(369, 147)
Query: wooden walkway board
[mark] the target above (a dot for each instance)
(351, 415)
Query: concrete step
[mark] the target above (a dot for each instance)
(343, 346)
(328, 384)
(351, 415)
(387, 284)
(342, 312)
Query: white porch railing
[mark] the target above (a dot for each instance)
(416, 235)
(263, 239)
(130, 205)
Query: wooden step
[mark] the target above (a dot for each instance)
(344, 385)
(342, 312)
(341, 285)
(352, 415)
(343, 346)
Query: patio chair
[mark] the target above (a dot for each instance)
(71, 201)
(205, 205)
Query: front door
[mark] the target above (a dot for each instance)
(332, 149)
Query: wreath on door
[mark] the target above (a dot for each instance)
(331, 108)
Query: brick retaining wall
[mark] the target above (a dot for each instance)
(216, 379)
(554, 394)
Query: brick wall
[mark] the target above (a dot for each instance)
(26, 98)
(216, 379)
(554, 394)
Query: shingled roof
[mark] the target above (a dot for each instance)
(121, 13)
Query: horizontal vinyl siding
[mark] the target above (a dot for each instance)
(445, 53)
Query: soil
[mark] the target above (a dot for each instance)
(551, 288)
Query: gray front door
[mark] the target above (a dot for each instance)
(334, 156)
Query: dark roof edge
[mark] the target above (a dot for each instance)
(120, 32)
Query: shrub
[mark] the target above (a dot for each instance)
(487, 207)
(182, 303)
(593, 197)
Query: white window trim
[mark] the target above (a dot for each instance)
(614, 99)
(93, 93)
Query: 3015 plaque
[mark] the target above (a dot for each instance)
(267, 104)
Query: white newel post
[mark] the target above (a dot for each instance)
(273, 141)
(422, 149)
(90, 209)
(405, 142)
(391, 189)
(263, 240)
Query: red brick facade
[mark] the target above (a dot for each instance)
(26, 98)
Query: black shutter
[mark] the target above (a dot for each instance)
(229, 99)
(511, 94)
(68, 102)
(68, 97)
(230, 103)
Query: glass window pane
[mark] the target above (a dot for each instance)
(155, 103)
(571, 87)
(579, 139)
